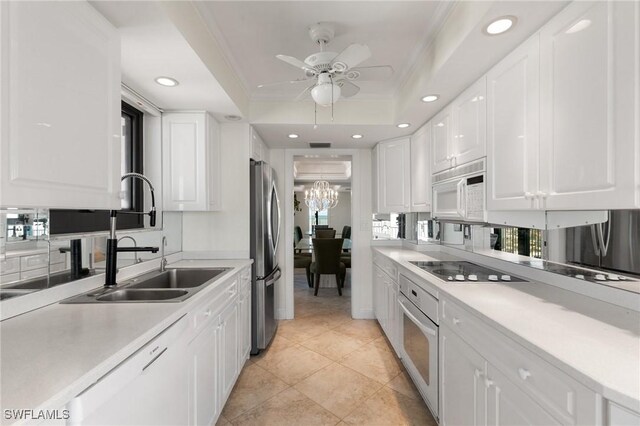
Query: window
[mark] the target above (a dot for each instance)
(323, 218)
(523, 241)
(74, 221)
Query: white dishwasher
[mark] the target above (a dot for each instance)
(148, 388)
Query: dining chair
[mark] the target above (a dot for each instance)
(297, 236)
(325, 233)
(327, 262)
(346, 231)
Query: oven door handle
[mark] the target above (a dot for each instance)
(415, 320)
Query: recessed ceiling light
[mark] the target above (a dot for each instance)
(233, 117)
(500, 25)
(403, 125)
(293, 136)
(167, 81)
(356, 136)
(430, 98)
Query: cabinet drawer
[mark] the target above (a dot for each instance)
(10, 266)
(208, 310)
(387, 265)
(554, 390)
(35, 261)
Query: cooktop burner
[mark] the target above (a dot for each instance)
(453, 270)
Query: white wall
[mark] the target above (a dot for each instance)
(339, 216)
(225, 234)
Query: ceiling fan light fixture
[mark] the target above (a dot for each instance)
(325, 93)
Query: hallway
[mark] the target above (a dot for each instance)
(324, 368)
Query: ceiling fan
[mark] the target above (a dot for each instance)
(333, 73)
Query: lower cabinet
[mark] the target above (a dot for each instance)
(385, 301)
(228, 350)
(244, 312)
(462, 395)
(204, 395)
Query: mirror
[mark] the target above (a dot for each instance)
(32, 260)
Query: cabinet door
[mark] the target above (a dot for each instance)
(589, 63)
(394, 163)
(204, 388)
(441, 133)
(379, 297)
(421, 169)
(244, 311)
(59, 107)
(393, 315)
(513, 129)
(507, 405)
(470, 123)
(184, 157)
(228, 349)
(462, 382)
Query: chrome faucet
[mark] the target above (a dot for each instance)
(112, 241)
(135, 243)
(163, 261)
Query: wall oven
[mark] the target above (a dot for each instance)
(459, 193)
(419, 339)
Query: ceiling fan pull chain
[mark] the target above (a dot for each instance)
(315, 115)
(332, 101)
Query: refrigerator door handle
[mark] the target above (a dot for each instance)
(276, 277)
(277, 236)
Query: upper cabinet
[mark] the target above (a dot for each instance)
(59, 107)
(459, 130)
(589, 64)
(259, 150)
(513, 139)
(420, 170)
(470, 124)
(442, 145)
(191, 162)
(393, 166)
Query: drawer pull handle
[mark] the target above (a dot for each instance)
(488, 383)
(524, 374)
(456, 321)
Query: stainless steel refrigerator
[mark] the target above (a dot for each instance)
(265, 233)
(613, 245)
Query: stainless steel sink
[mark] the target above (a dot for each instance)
(172, 285)
(176, 278)
(139, 295)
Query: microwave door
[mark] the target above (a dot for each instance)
(447, 199)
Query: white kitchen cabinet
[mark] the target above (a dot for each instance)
(620, 416)
(462, 386)
(228, 350)
(507, 405)
(204, 387)
(60, 107)
(589, 65)
(421, 169)
(470, 124)
(393, 176)
(191, 162)
(259, 150)
(513, 127)
(244, 312)
(442, 136)
(393, 314)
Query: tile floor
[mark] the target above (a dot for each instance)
(324, 368)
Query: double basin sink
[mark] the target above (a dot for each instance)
(171, 285)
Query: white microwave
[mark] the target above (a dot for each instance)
(460, 193)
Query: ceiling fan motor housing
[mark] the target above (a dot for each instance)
(320, 61)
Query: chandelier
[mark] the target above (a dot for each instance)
(321, 197)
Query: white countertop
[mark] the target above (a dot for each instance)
(595, 342)
(52, 354)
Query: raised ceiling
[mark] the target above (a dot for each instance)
(252, 33)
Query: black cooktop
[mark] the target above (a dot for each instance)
(460, 271)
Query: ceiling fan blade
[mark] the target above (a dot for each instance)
(296, 63)
(376, 73)
(278, 83)
(347, 88)
(305, 93)
(351, 56)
